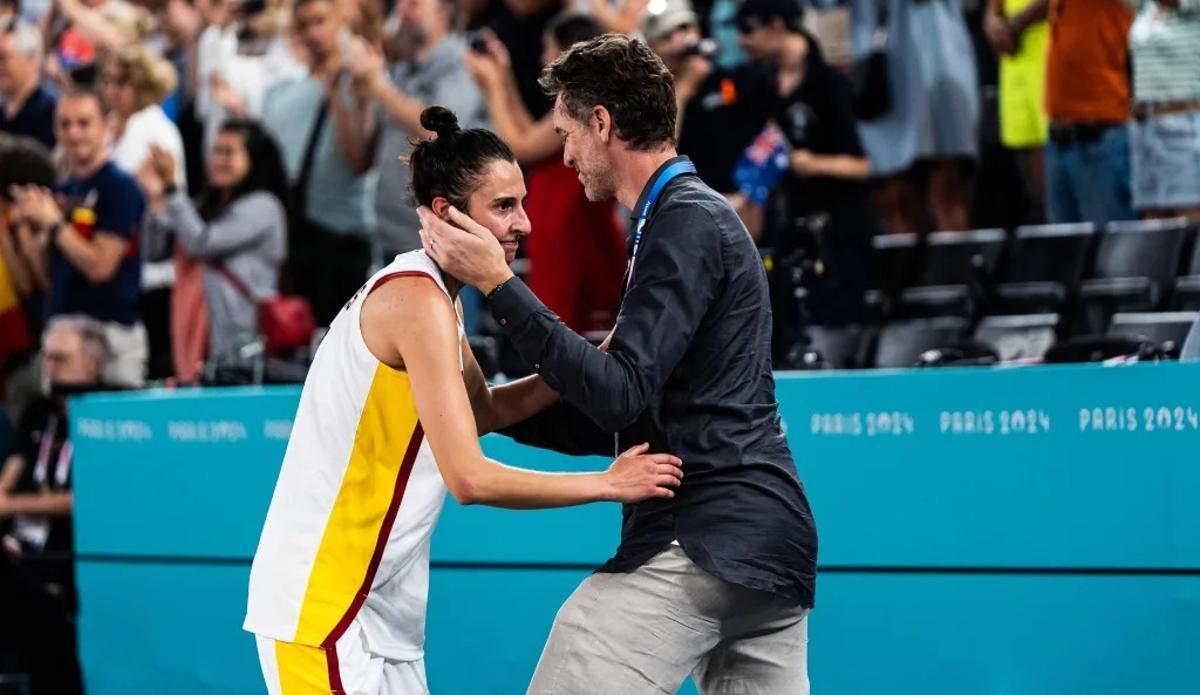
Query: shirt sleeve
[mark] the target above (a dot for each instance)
(565, 429)
(243, 223)
(676, 274)
(119, 207)
(843, 129)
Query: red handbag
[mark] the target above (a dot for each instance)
(285, 322)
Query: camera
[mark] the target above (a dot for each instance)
(704, 48)
(477, 42)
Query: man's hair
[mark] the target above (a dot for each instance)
(90, 331)
(77, 92)
(26, 39)
(624, 76)
(569, 28)
(451, 165)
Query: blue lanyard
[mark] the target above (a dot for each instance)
(677, 169)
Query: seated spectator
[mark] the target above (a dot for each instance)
(1165, 137)
(26, 104)
(1087, 99)
(827, 184)
(39, 600)
(316, 123)
(91, 253)
(237, 233)
(577, 256)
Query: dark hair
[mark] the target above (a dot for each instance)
(451, 165)
(569, 28)
(80, 92)
(266, 170)
(23, 162)
(624, 76)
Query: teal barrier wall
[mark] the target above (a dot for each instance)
(1032, 531)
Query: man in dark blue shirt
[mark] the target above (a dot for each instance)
(717, 582)
(94, 265)
(26, 105)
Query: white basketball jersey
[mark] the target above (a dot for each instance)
(347, 533)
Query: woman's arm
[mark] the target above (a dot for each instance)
(408, 321)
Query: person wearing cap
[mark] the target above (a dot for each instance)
(720, 111)
(813, 107)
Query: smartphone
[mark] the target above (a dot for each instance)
(477, 42)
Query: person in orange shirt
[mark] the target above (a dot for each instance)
(1087, 100)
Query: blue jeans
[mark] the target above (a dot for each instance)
(1089, 181)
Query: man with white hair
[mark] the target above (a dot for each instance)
(37, 578)
(26, 105)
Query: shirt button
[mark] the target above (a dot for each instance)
(537, 365)
(503, 322)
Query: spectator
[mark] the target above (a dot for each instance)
(521, 25)
(92, 254)
(720, 110)
(10, 13)
(575, 259)
(1087, 99)
(428, 71)
(23, 161)
(1018, 32)
(134, 81)
(83, 31)
(827, 188)
(621, 17)
(238, 231)
(26, 105)
(39, 599)
(1165, 134)
(923, 146)
(330, 253)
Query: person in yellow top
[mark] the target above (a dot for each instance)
(1018, 32)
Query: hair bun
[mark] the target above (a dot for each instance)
(440, 120)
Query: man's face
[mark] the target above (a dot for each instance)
(671, 45)
(421, 19)
(586, 153)
(499, 205)
(66, 362)
(758, 40)
(79, 127)
(17, 69)
(318, 24)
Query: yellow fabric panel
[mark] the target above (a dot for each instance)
(8, 294)
(385, 429)
(303, 670)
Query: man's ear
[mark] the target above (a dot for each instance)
(441, 208)
(602, 122)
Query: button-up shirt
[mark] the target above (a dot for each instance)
(689, 371)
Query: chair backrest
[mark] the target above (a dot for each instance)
(902, 342)
(1049, 253)
(1168, 329)
(1193, 267)
(1143, 248)
(893, 261)
(955, 258)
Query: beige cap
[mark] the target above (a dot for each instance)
(665, 16)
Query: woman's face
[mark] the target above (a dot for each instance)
(117, 92)
(229, 163)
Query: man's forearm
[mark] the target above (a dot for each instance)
(1033, 13)
(85, 255)
(352, 134)
(399, 106)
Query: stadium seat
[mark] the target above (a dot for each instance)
(893, 263)
(1136, 263)
(1187, 286)
(1167, 329)
(1043, 267)
(840, 348)
(901, 343)
(954, 270)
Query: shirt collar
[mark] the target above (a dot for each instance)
(650, 184)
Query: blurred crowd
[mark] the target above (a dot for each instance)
(190, 186)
